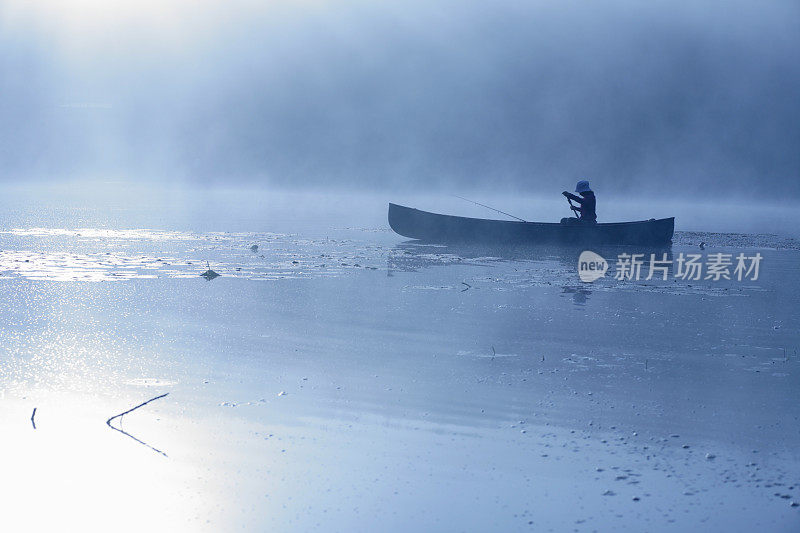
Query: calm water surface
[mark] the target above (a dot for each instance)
(338, 377)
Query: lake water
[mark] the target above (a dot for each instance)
(339, 377)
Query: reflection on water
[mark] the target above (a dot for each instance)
(471, 374)
(115, 255)
(121, 430)
(579, 295)
(73, 473)
(102, 255)
(507, 268)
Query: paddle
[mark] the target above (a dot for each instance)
(574, 209)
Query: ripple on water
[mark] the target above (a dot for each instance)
(151, 382)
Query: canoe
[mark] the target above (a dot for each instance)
(433, 227)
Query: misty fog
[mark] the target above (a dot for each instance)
(666, 98)
(238, 290)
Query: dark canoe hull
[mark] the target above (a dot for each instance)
(432, 227)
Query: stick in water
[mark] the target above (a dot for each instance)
(108, 422)
(488, 207)
(33, 416)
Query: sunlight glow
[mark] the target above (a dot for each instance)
(84, 29)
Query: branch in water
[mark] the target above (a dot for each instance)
(108, 422)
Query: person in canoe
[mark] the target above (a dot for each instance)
(587, 204)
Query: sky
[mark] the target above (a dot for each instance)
(669, 98)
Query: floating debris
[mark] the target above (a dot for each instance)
(254, 248)
(282, 393)
(209, 274)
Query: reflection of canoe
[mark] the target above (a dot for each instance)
(433, 227)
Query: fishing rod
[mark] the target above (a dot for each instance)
(488, 207)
